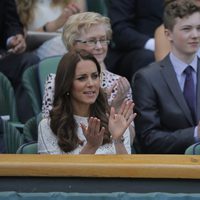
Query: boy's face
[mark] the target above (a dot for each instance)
(185, 36)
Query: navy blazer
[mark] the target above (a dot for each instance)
(164, 123)
(134, 21)
(9, 21)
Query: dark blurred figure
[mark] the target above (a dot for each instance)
(133, 24)
(13, 60)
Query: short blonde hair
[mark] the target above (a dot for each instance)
(83, 21)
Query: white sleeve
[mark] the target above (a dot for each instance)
(47, 140)
(150, 44)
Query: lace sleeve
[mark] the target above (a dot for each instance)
(48, 95)
(129, 94)
(47, 141)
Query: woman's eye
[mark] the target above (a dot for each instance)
(95, 76)
(82, 78)
(91, 42)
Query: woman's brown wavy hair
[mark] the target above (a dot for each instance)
(62, 121)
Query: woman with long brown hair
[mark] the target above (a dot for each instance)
(81, 120)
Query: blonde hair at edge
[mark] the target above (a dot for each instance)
(83, 21)
(26, 9)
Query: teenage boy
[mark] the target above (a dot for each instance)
(167, 93)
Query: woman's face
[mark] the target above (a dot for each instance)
(86, 84)
(94, 41)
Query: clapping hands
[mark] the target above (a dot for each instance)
(119, 122)
(122, 86)
(93, 133)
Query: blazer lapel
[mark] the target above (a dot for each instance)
(171, 80)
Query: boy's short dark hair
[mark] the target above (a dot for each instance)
(178, 9)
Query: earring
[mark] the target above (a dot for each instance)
(67, 93)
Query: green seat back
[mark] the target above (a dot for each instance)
(193, 149)
(7, 99)
(34, 79)
(30, 83)
(98, 6)
(28, 148)
(45, 67)
(13, 139)
(31, 128)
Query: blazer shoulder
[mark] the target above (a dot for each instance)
(150, 69)
(155, 67)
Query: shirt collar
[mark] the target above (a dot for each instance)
(179, 66)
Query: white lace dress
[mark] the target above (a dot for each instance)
(47, 141)
(108, 79)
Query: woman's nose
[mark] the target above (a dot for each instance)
(90, 81)
(98, 44)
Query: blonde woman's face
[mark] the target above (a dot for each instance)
(94, 41)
